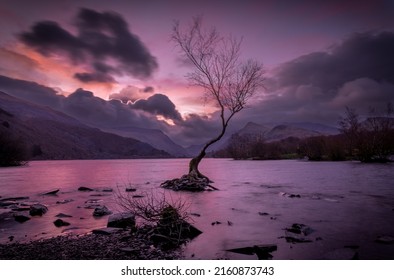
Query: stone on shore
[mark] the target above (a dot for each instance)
(85, 189)
(21, 218)
(121, 220)
(38, 210)
(51, 192)
(101, 211)
(61, 223)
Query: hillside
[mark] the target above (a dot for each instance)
(48, 134)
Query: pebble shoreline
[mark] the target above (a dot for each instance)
(117, 246)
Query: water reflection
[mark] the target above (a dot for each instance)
(344, 203)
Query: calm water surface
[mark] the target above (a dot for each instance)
(345, 203)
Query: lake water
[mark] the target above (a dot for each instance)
(345, 205)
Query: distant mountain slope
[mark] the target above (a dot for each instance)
(271, 132)
(154, 137)
(49, 134)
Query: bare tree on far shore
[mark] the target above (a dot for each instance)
(218, 70)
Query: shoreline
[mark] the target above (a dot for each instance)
(116, 246)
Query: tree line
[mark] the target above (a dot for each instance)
(368, 140)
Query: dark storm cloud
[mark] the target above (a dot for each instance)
(101, 39)
(358, 72)
(94, 77)
(158, 104)
(363, 55)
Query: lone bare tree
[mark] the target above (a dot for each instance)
(226, 80)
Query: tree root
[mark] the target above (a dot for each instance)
(189, 182)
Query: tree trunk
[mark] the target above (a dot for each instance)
(193, 165)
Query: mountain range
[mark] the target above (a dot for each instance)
(49, 134)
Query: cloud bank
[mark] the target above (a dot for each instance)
(358, 72)
(103, 45)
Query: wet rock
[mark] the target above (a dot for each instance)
(263, 214)
(216, 223)
(137, 196)
(54, 192)
(121, 220)
(101, 211)
(64, 201)
(85, 189)
(14, 198)
(292, 239)
(261, 251)
(131, 190)
(300, 229)
(195, 214)
(61, 223)
(21, 218)
(38, 210)
(8, 203)
(61, 215)
(386, 239)
(107, 230)
(290, 195)
(107, 190)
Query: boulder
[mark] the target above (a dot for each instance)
(85, 189)
(101, 211)
(61, 223)
(21, 218)
(38, 210)
(261, 251)
(121, 220)
(51, 192)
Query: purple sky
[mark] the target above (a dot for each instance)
(319, 56)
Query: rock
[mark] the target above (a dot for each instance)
(21, 218)
(261, 251)
(107, 190)
(137, 196)
(101, 211)
(14, 198)
(385, 239)
(38, 210)
(107, 230)
(195, 214)
(263, 214)
(64, 201)
(61, 223)
(131, 190)
(229, 223)
(300, 229)
(121, 220)
(290, 195)
(292, 239)
(8, 203)
(85, 189)
(341, 254)
(215, 223)
(51, 192)
(61, 215)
